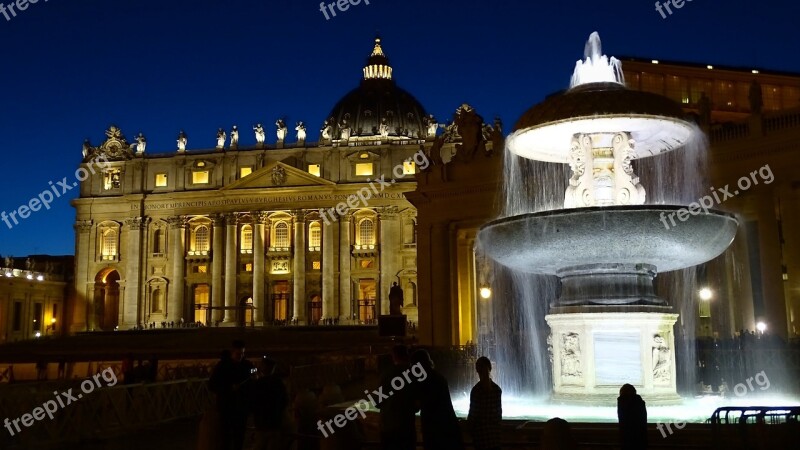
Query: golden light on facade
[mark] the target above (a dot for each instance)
(485, 292)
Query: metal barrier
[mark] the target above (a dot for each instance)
(103, 412)
(755, 427)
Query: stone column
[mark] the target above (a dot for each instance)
(328, 267)
(231, 272)
(217, 253)
(83, 310)
(389, 232)
(299, 267)
(345, 285)
(176, 295)
(258, 267)
(133, 259)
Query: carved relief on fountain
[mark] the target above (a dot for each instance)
(662, 371)
(629, 191)
(570, 356)
(550, 348)
(579, 192)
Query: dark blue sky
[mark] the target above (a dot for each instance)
(72, 67)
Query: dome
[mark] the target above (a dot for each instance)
(378, 101)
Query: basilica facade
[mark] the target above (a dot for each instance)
(290, 232)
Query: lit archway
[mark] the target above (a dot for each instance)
(106, 299)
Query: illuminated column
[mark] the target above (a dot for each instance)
(328, 266)
(217, 252)
(133, 258)
(230, 268)
(345, 286)
(299, 267)
(258, 266)
(389, 231)
(176, 297)
(82, 317)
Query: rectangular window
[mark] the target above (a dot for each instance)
(245, 171)
(161, 180)
(316, 265)
(17, 319)
(201, 296)
(247, 267)
(364, 169)
(200, 177)
(200, 269)
(112, 179)
(409, 168)
(705, 308)
(314, 169)
(38, 315)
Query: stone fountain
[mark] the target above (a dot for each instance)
(608, 325)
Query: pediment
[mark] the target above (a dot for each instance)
(278, 175)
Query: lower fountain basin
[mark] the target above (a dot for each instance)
(549, 242)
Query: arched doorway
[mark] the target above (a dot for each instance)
(246, 309)
(106, 299)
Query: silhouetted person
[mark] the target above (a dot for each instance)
(228, 382)
(440, 428)
(395, 299)
(557, 435)
(398, 412)
(485, 409)
(632, 414)
(270, 401)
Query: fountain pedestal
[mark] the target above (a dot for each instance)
(597, 349)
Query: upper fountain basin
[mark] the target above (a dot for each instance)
(548, 241)
(545, 131)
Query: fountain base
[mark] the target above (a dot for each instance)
(596, 349)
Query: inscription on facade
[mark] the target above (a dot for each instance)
(155, 206)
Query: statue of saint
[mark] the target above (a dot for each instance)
(87, 148)
(344, 130)
(395, 300)
(326, 130)
(261, 135)
(221, 137)
(282, 130)
(235, 137)
(301, 131)
(432, 125)
(141, 143)
(182, 141)
(384, 129)
(756, 98)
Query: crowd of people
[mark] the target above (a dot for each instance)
(246, 393)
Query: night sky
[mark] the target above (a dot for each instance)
(70, 68)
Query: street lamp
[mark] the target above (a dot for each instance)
(705, 294)
(485, 292)
(761, 327)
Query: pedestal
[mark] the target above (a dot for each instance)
(595, 350)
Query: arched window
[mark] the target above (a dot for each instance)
(366, 232)
(157, 300)
(158, 241)
(247, 239)
(109, 246)
(314, 236)
(201, 238)
(281, 235)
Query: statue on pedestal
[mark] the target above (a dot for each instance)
(261, 135)
(344, 130)
(301, 131)
(182, 140)
(221, 137)
(235, 137)
(432, 125)
(141, 143)
(395, 300)
(282, 130)
(326, 130)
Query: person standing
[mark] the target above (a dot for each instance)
(632, 415)
(440, 428)
(398, 412)
(228, 382)
(270, 403)
(485, 408)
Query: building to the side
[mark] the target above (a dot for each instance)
(34, 292)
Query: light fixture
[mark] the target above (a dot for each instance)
(485, 292)
(761, 327)
(40, 278)
(655, 61)
(755, 71)
(709, 67)
(38, 335)
(29, 276)
(53, 320)
(705, 294)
